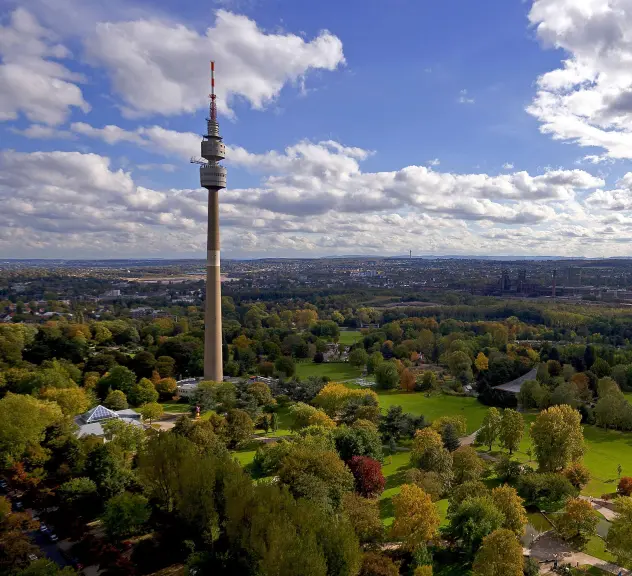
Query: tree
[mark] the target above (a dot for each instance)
(374, 564)
(374, 361)
(396, 424)
(358, 357)
(506, 499)
(450, 438)
(261, 392)
(386, 376)
(547, 491)
(79, 496)
(357, 441)
(166, 388)
(15, 544)
(285, 365)
(317, 474)
(367, 472)
(430, 482)
(500, 555)
(23, 421)
(364, 514)
(118, 378)
(619, 539)
(460, 366)
(466, 465)
(579, 520)
(72, 401)
(589, 356)
(578, 474)
(424, 441)
(459, 423)
(423, 571)
(416, 517)
(427, 381)
(481, 362)
(490, 428)
(601, 368)
(407, 380)
(142, 392)
(558, 437)
(303, 415)
(625, 486)
(116, 400)
(511, 429)
(166, 366)
(151, 411)
(462, 492)
(143, 364)
(240, 427)
(474, 519)
(125, 514)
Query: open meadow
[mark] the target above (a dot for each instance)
(335, 371)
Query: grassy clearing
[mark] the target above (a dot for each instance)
(349, 337)
(605, 450)
(245, 457)
(176, 407)
(438, 405)
(597, 547)
(284, 426)
(336, 371)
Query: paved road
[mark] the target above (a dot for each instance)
(48, 548)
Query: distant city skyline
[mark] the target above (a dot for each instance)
(457, 128)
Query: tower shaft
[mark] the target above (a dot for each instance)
(213, 310)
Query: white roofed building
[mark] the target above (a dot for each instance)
(90, 423)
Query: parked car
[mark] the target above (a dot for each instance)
(32, 557)
(43, 528)
(3, 484)
(53, 537)
(19, 505)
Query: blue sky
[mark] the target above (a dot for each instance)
(454, 127)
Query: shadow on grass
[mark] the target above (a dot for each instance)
(398, 478)
(387, 509)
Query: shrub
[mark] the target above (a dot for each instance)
(625, 486)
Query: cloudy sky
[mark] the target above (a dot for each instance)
(355, 127)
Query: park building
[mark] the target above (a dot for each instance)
(90, 423)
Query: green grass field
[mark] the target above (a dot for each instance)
(349, 337)
(605, 450)
(437, 405)
(176, 407)
(336, 371)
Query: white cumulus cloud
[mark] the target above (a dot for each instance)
(160, 67)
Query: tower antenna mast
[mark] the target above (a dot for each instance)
(213, 110)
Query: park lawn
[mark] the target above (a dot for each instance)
(349, 337)
(176, 407)
(245, 457)
(336, 371)
(588, 570)
(605, 450)
(394, 468)
(437, 405)
(597, 547)
(284, 425)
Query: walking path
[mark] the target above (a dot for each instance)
(548, 547)
(601, 507)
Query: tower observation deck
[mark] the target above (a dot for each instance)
(213, 178)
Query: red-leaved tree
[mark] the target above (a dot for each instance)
(625, 486)
(369, 480)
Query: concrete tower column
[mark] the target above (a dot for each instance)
(213, 369)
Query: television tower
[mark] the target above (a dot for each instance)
(213, 178)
